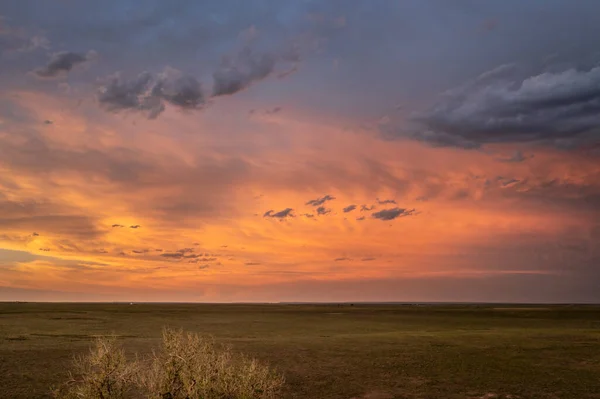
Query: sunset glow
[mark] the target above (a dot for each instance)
(330, 157)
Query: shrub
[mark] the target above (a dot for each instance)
(189, 366)
(104, 373)
(186, 366)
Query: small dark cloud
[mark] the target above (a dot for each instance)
(393, 213)
(158, 250)
(320, 201)
(508, 182)
(239, 72)
(148, 93)
(273, 110)
(287, 73)
(360, 218)
(365, 208)
(517, 156)
(323, 211)
(349, 208)
(48, 122)
(308, 215)
(135, 226)
(385, 202)
(367, 259)
(185, 250)
(35, 234)
(200, 258)
(174, 255)
(251, 263)
(62, 63)
(137, 251)
(183, 91)
(117, 225)
(224, 246)
(196, 244)
(340, 259)
(287, 212)
(202, 267)
(45, 249)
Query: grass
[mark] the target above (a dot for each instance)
(332, 351)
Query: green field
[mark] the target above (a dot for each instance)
(333, 351)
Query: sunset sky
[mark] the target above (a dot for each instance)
(288, 150)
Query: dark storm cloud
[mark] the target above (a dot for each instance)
(323, 211)
(504, 106)
(320, 201)
(393, 213)
(148, 93)
(287, 212)
(62, 63)
(349, 208)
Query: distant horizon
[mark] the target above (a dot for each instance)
(319, 303)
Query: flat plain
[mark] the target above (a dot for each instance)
(366, 351)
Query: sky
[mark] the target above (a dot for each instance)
(289, 150)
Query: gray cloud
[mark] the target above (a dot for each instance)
(136, 226)
(239, 72)
(61, 63)
(367, 259)
(385, 202)
(323, 211)
(320, 201)
(148, 93)
(360, 218)
(393, 213)
(365, 208)
(506, 105)
(349, 208)
(287, 212)
(517, 156)
(341, 259)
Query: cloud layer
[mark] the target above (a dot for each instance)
(499, 106)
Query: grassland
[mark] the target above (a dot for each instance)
(334, 351)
